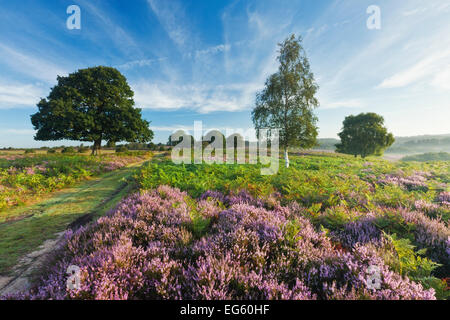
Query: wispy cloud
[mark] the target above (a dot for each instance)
(122, 40)
(172, 128)
(352, 103)
(442, 79)
(213, 50)
(433, 68)
(200, 98)
(414, 12)
(172, 18)
(12, 96)
(18, 131)
(139, 63)
(30, 65)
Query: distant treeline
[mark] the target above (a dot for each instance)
(109, 146)
(326, 144)
(403, 145)
(441, 156)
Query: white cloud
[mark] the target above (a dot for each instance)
(170, 15)
(351, 103)
(121, 38)
(213, 50)
(321, 30)
(269, 25)
(173, 128)
(18, 131)
(200, 98)
(424, 69)
(139, 63)
(31, 66)
(442, 79)
(19, 95)
(413, 12)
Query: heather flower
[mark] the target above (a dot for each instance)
(216, 195)
(429, 233)
(12, 170)
(426, 207)
(360, 231)
(444, 198)
(414, 182)
(243, 197)
(30, 171)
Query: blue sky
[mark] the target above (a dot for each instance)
(206, 59)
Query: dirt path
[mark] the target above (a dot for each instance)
(26, 242)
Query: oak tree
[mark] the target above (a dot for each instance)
(365, 135)
(94, 105)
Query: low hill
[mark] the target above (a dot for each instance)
(403, 145)
(441, 156)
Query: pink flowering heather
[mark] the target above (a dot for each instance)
(162, 244)
(30, 171)
(12, 170)
(432, 234)
(414, 182)
(426, 207)
(444, 198)
(360, 231)
(113, 165)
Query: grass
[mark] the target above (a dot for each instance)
(34, 224)
(44, 151)
(26, 179)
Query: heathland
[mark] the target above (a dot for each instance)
(329, 227)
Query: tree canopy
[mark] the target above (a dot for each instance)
(92, 104)
(365, 135)
(288, 99)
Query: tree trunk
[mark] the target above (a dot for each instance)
(286, 157)
(96, 147)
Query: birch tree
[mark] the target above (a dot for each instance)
(288, 99)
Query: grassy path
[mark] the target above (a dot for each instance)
(44, 221)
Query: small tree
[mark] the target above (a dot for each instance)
(121, 148)
(288, 99)
(111, 144)
(68, 150)
(364, 135)
(91, 105)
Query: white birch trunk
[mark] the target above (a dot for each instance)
(286, 158)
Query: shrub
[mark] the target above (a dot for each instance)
(68, 150)
(29, 151)
(121, 149)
